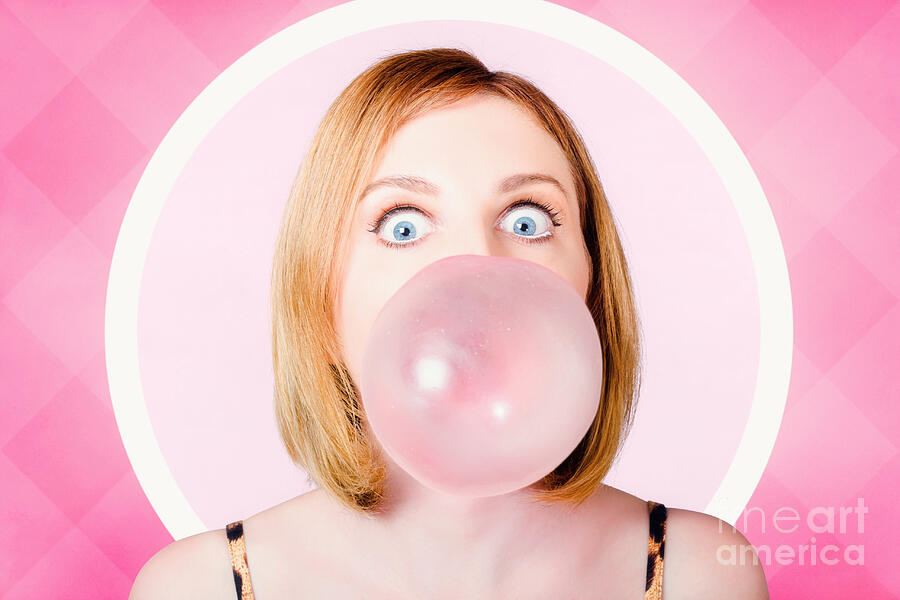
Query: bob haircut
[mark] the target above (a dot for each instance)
(317, 404)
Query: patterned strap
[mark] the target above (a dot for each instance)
(239, 566)
(656, 546)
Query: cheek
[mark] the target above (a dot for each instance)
(574, 266)
(355, 320)
(580, 279)
(364, 293)
(351, 310)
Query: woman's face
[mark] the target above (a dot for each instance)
(466, 176)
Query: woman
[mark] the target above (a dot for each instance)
(424, 155)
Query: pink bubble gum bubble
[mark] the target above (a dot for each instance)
(482, 374)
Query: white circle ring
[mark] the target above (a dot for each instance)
(599, 40)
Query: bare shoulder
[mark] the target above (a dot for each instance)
(198, 567)
(706, 557)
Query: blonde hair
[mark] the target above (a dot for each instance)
(317, 404)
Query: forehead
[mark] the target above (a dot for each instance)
(481, 135)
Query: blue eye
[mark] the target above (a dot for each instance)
(529, 222)
(525, 225)
(404, 231)
(399, 225)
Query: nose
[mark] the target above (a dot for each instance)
(476, 241)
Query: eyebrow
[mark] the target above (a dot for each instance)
(423, 186)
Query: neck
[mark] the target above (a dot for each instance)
(428, 536)
(419, 510)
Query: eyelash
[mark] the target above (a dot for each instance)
(375, 226)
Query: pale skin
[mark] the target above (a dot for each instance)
(427, 544)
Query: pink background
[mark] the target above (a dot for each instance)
(810, 95)
(205, 350)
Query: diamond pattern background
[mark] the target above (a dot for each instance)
(811, 92)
